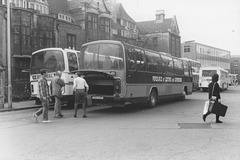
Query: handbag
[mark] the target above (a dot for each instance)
(219, 109)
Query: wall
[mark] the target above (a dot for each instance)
(65, 28)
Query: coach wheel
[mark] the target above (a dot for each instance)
(152, 99)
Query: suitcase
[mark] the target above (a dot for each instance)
(219, 109)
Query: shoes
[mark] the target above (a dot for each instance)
(218, 121)
(84, 116)
(204, 117)
(58, 116)
(47, 121)
(75, 116)
(36, 117)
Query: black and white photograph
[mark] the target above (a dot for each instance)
(119, 79)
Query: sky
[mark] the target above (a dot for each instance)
(214, 23)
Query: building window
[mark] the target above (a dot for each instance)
(17, 39)
(235, 63)
(105, 25)
(174, 46)
(40, 42)
(186, 49)
(124, 22)
(92, 21)
(40, 33)
(21, 64)
(236, 71)
(32, 5)
(71, 41)
(17, 29)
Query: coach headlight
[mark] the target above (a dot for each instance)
(117, 86)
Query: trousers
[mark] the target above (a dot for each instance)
(44, 109)
(57, 106)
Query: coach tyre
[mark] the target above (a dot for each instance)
(152, 99)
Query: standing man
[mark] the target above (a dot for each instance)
(80, 88)
(44, 96)
(56, 90)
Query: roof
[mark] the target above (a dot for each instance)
(121, 13)
(58, 6)
(152, 26)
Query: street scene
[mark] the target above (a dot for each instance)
(172, 130)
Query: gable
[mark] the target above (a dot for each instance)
(149, 27)
(122, 14)
(153, 26)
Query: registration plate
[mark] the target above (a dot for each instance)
(97, 97)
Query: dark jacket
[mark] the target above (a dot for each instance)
(216, 91)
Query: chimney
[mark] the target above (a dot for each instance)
(160, 15)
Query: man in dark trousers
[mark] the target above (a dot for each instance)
(44, 96)
(56, 89)
(80, 88)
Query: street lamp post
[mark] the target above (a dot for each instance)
(9, 56)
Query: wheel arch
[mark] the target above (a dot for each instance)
(150, 90)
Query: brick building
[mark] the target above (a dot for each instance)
(124, 28)
(93, 16)
(31, 31)
(161, 34)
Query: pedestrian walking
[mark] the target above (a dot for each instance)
(214, 94)
(44, 96)
(56, 86)
(80, 89)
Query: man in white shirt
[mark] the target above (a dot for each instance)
(80, 88)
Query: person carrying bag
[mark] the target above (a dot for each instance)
(209, 103)
(214, 98)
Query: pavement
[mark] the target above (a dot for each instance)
(21, 105)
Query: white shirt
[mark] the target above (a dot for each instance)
(80, 83)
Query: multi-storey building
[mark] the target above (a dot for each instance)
(161, 34)
(124, 28)
(206, 55)
(93, 16)
(235, 66)
(39, 5)
(30, 31)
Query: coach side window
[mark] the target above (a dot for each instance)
(186, 68)
(178, 67)
(130, 52)
(140, 59)
(90, 56)
(153, 62)
(167, 65)
(72, 61)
